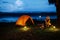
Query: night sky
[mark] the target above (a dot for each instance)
(26, 6)
(18, 6)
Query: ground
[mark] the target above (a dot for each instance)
(9, 31)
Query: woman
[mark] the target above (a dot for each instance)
(47, 21)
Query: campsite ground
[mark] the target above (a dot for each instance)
(9, 31)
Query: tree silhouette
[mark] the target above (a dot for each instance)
(57, 4)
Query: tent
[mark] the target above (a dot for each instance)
(24, 20)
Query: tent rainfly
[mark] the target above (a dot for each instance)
(24, 20)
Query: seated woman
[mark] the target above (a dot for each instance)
(47, 21)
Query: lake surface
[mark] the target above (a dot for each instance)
(14, 19)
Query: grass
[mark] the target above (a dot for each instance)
(9, 31)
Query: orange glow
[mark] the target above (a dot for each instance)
(22, 20)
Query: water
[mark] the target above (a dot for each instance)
(14, 19)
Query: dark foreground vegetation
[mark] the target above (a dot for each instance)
(9, 31)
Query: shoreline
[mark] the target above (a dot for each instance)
(53, 22)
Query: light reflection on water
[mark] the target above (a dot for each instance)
(14, 19)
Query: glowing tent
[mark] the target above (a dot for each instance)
(24, 19)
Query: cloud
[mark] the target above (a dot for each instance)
(26, 5)
(19, 3)
(11, 7)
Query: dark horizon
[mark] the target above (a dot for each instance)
(2, 14)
